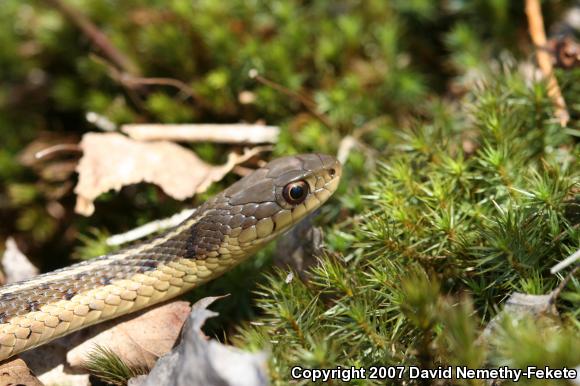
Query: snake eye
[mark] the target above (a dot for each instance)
(295, 192)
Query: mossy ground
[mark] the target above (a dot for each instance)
(462, 188)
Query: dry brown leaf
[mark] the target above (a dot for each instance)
(138, 341)
(59, 376)
(217, 133)
(519, 306)
(15, 372)
(111, 161)
(199, 361)
(48, 362)
(140, 338)
(15, 264)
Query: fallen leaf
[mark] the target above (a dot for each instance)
(16, 373)
(216, 133)
(519, 306)
(198, 361)
(137, 381)
(140, 341)
(15, 264)
(59, 376)
(48, 362)
(111, 161)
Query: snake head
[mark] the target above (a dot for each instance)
(264, 204)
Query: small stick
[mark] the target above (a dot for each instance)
(198, 132)
(538, 35)
(133, 81)
(306, 101)
(60, 148)
(149, 228)
(96, 35)
(566, 262)
(555, 293)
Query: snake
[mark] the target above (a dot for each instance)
(222, 232)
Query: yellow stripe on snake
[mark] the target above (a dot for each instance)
(222, 232)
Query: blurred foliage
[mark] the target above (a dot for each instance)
(473, 197)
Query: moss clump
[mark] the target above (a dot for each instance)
(460, 215)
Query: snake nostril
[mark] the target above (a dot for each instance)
(332, 172)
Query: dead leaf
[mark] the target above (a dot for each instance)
(111, 161)
(15, 264)
(565, 51)
(216, 133)
(16, 373)
(519, 306)
(48, 362)
(137, 338)
(198, 361)
(59, 376)
(140, 341)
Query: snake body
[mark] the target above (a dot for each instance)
(221, 233)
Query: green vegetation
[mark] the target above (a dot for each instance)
(110, 368)
(447, 236)
(462, 187)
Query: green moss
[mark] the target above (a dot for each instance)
(445, 239)
(461, 187)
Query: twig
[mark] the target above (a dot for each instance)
(149, 228)
(242, 171)
(184, 88)
(134, 81)
(97, 36)
(100, 121)
(555, 293)
(217, 133)
(60, 148)
(566, 262)
(565, 233)
(538, 35)
(303, 99)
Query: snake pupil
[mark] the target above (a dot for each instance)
(295, 192)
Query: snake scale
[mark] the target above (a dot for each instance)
(221, 233)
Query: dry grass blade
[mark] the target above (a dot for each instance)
(538, 35)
